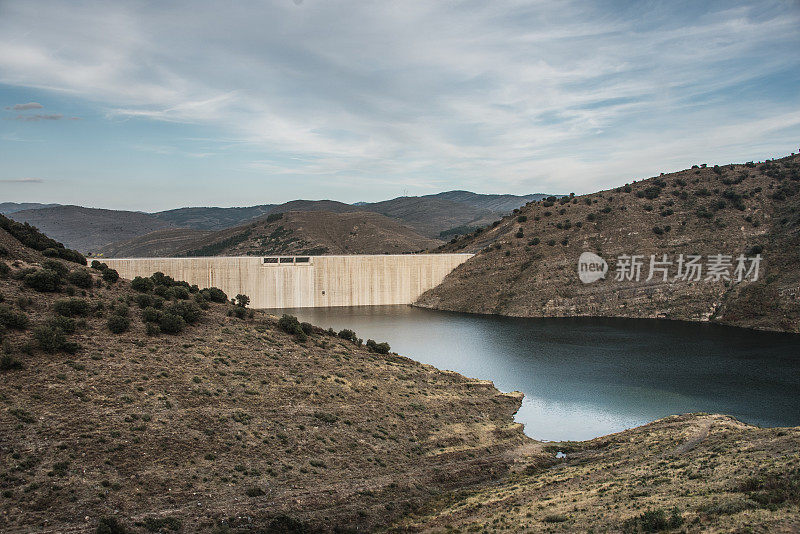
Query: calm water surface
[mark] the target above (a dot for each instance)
(587, 377)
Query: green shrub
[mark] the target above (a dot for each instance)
(171, 323)
(12, 319)
(143, 300)
(654, 521)
(56, 266)
(214, 294)
(179, 292)
(238, 311)
(649, 193)
(201, 301)
(290, 325)
(53, 339)
(80, 278)
(65, 324)
(141, 284)
(242, 300)
(380, 348)
(110, 275)
(118, 324)
(110, 525)
(152, 329)
(43, 280)
(151, 315)
(189, 311)
(49, 339)
(9, 362)
(162, 291)
(591, 217)
(307, 328)
(71, 307)
(658, 230)
(254, 491)
(99, 266)
(348, 334)
(5, 270)
(65, 254)
(326, 417)
(121, 309)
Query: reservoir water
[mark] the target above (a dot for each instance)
(587, 377)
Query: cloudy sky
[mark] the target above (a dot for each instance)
(154, 105)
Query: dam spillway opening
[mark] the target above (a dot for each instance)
(305, 281)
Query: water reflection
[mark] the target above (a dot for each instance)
(586, 377)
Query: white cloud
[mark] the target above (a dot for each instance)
(500, 95)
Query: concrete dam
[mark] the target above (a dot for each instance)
(305, 281)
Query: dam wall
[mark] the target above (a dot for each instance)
(305, 281)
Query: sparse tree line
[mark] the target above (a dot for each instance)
(291, 325)
(166, 305)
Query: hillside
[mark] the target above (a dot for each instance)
(527, 264)
(13, 207)
(237, 421)
(689, 473)
(155, 244)
(499, 203)
(87, 229)
(433, 216)
(294, 232)
(222, 218)
(452, 212)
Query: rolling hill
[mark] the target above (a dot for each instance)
(499, 203)
(13, 207)
(234, 420)
(526, 265)
(293, 232)
(87, 229)
(432, 216)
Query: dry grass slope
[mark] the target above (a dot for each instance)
(526, 263)
(695, 473)
(232, 423)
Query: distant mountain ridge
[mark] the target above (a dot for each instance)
(291, 232)
(87, 229)
(437, 216)
(13, 207)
